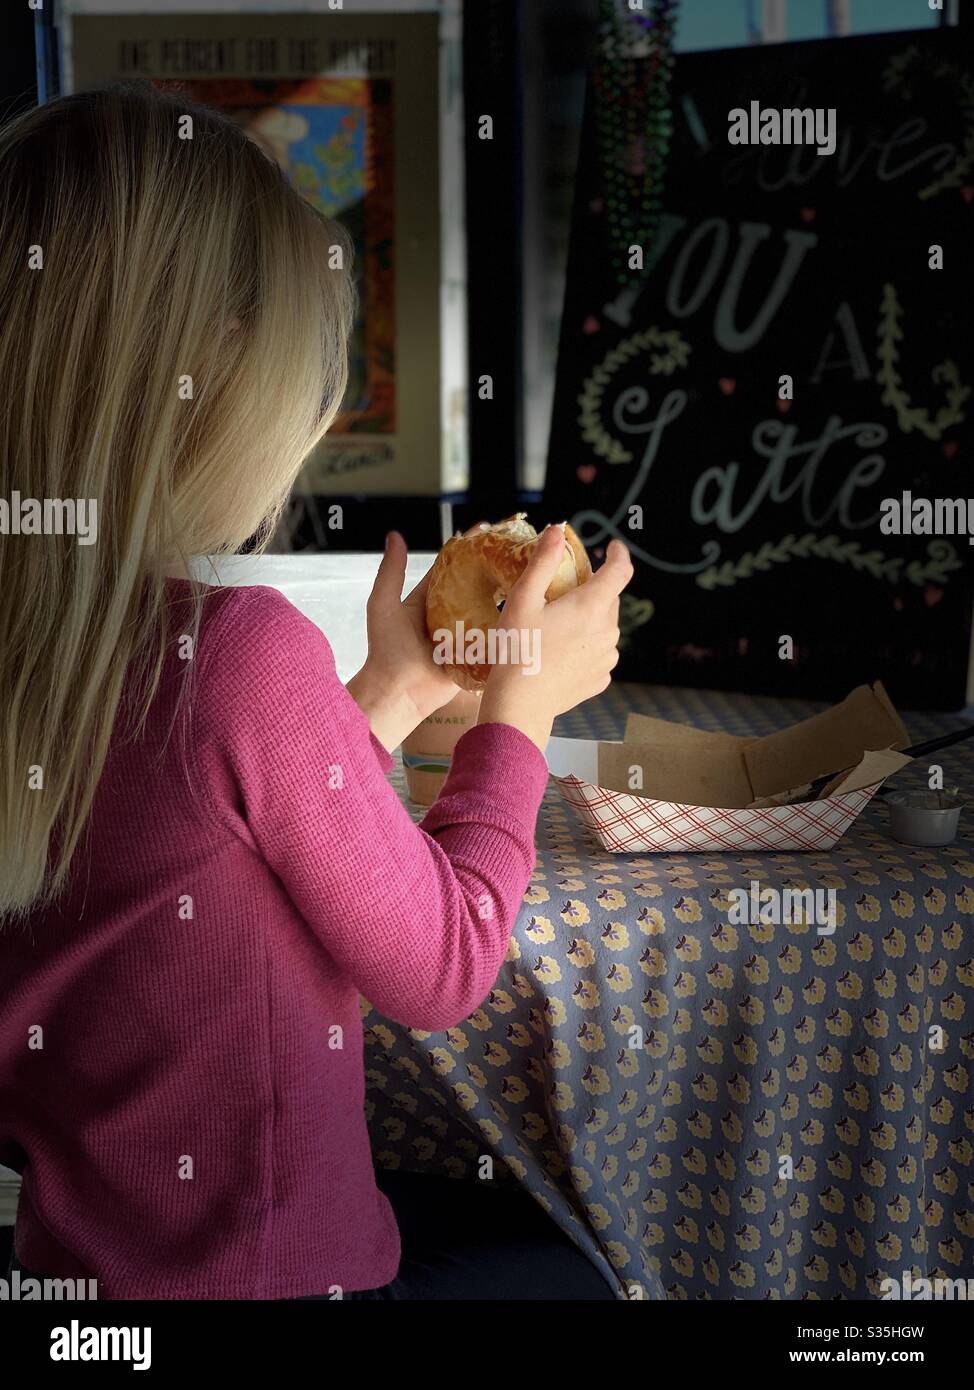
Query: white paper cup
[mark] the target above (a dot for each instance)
(428, 751)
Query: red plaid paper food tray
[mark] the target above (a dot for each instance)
(627, 824)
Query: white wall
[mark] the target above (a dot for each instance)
(330, 589)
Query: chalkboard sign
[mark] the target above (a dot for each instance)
(753, 507)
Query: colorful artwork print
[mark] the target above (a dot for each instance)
(334, 139)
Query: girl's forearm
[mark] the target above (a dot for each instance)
(506, 701)
(391, 713)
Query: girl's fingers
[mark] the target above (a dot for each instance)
(417, 593)
(616, 572)
(391, 575)
(542, 567)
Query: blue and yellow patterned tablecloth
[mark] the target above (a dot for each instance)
(799, 1120)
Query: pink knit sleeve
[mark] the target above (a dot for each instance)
(418, 917)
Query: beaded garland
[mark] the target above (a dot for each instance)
(635, 124)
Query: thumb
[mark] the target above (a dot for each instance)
(541, 568)
(387, 589)
(616, 571)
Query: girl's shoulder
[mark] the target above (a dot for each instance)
(251, 638)
(255, 610)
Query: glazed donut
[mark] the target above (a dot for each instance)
(475, 572)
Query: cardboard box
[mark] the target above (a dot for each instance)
(669, 787)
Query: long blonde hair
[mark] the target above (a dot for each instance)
(174, 320)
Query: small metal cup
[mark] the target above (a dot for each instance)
(914, 824)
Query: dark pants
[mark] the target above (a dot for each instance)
(465, 1240)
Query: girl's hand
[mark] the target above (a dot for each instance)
(578, 636)
(400, 683)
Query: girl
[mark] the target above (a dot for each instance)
(202, 863)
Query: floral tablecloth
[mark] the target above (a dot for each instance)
(710, 1110)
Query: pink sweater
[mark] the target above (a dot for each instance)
(193, 1123)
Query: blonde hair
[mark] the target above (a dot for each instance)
(176, 354)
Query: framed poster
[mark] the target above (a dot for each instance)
(349, 106)
(794, 355)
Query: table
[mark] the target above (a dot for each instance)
(791, 1128)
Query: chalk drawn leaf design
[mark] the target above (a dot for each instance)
(671, 351)
(899, 74)
(942, 560)
(909, 416)
(633, 613)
